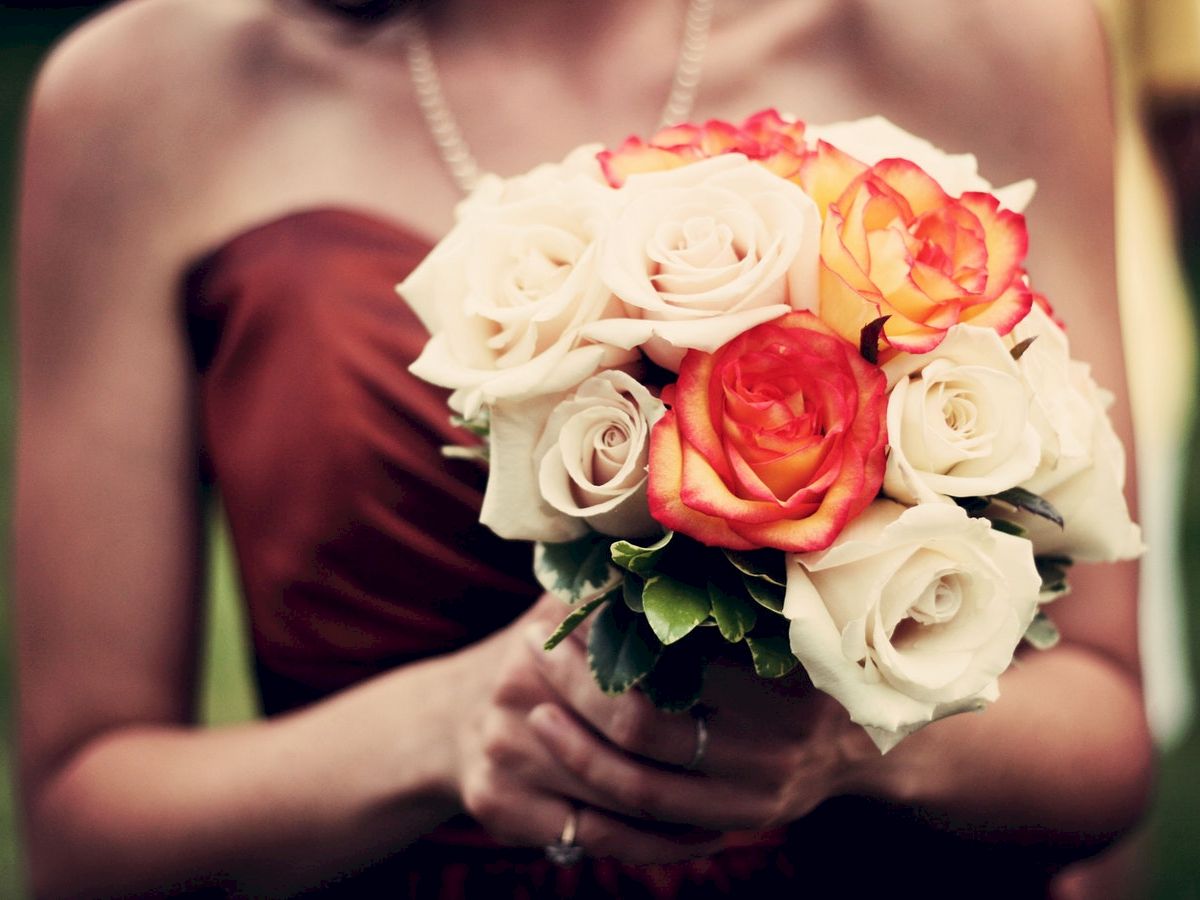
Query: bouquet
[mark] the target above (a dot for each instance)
(783, 390)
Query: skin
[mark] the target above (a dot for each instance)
(164, 127)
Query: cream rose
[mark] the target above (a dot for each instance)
(958, 420)
(507, 293)
(911, 615)
(701, 253)
(561, 465)
(492, 190)
(1082, 467)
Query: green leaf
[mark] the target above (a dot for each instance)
(639, 559)
(1006, 527)
(868, 339)
(479, 424)
(772, 655)
(675, 682)
(734, 613)
(764, 593)
(1042, 633)
(1019, 498)
(631, 590)
(621, 648)
(975, 506)
(1019, 350)
(1053, 570)
(576, 571)
(767, 565)
(674, 607)
(575, 619)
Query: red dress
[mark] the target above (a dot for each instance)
(360, 550)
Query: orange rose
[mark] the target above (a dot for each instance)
(775, 440)
(765, 137)
(893, 243)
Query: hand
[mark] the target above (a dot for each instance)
(512, 782)
(776, 749)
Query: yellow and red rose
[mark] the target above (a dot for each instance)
(766, 137)
(776, 439)
(893, 243)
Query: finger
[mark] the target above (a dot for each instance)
(519, 682)
(547, 613)
(630, 720)
(603, 835)
(510, 745)
(759, 739)
(624, 785)
(519, 818)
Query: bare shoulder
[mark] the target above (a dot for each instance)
(1018, 74)
(135, 110)
(1002, 40)
(131, 69)
(1042, 51)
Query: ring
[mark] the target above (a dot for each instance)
(564, 851)
(701, 740)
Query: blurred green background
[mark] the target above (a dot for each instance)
(1166, 858)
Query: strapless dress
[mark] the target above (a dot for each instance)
(359, 550)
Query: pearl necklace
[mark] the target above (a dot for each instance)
(443, 127)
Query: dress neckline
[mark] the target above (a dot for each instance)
(348, 215)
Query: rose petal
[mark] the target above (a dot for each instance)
(512, 504)
(663, 495)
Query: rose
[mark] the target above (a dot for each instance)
(672, 147)
(559, 465)
(701, 253)
(895, 243)
(492, 190)
(766, 137)
(594, 454)
(911, 615)
(775, 440)
(958, 420)
(1082, 467)
(506, 294)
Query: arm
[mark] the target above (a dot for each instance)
(121, 793)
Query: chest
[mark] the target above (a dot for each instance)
(357, 137)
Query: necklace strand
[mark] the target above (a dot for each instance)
(443, 128)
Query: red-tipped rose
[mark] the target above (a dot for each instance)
(894, 244)
(766, 137)
(775, 440)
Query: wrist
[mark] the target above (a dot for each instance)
(893, 777)
(446, 692)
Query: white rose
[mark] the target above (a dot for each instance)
(701, 253)
(492, 190)
(1082, 469)
(911, 615)
(560, 465)
(506, 294)
(958, 420)
(875, 138)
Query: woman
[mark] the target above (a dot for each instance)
(217, 199)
